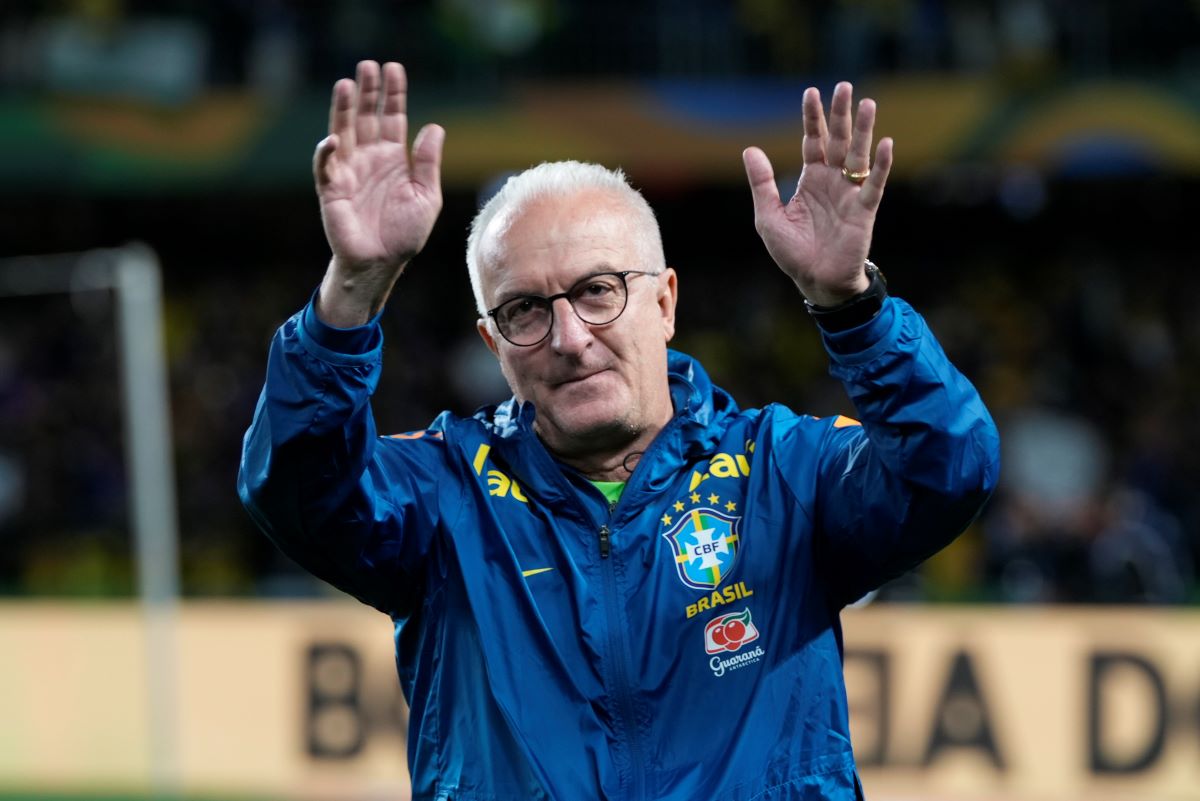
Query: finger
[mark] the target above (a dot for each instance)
(872, 188)
(761, 175)
(859, 157)
(839, 124)
(393, 125)
(341, 112)
(427, 156)
(325, 149)
(366, 124)
(815, 134)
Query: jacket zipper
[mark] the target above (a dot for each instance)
(624, 689)
(605, 545)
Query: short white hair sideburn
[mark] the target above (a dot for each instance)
(561, 179)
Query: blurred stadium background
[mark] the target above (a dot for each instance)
(1041, 215)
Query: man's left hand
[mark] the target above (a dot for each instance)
(821, 237)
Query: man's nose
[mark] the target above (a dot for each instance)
(570, 334)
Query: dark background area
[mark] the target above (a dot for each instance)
(1067, 297)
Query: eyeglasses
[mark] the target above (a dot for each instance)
(598, 299)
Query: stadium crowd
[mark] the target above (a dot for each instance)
(1074, 321)
(171, 50)
(1084, 352)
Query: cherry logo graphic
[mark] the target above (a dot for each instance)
(729, 632)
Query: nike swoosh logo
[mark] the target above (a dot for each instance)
(535, 571)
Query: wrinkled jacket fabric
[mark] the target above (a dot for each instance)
(684, 644)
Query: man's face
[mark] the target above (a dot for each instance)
(595, 387)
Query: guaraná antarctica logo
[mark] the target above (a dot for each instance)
(727, 634)
(705, 543)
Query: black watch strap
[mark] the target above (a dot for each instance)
(857, 310)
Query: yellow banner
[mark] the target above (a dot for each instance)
(1046, 703)
(300, 700)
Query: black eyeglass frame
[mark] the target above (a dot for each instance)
(549, 301)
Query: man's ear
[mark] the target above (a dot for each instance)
(481, 325)
(668, 296)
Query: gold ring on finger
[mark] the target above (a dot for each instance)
(855, 177)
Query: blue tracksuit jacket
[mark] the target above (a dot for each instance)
(684, 644)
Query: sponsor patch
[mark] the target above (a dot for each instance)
(729, 632)
(725, 636)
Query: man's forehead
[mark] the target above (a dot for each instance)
(585, 226)
(578, 210)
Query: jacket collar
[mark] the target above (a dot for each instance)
(703, 407)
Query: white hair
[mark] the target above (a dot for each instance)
(560, 179)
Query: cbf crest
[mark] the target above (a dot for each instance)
(706, 543)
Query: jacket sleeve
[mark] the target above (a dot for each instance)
(903, 484)
(353, 509)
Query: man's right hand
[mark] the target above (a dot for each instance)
(377, 206)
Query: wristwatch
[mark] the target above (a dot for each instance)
(857, 310)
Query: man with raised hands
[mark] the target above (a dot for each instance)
(617, 584)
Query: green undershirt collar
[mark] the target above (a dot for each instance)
(611, 489)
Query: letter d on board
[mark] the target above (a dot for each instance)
(1101, 675)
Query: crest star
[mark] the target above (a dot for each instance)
(714, 498)
(694, 497)
(666, 520)
(731, 506)
(678, 506)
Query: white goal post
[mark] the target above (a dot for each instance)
(133, 274)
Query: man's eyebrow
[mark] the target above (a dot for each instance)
(603, 268)
(505, 296)
(600, 268)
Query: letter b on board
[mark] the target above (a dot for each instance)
(334, 724)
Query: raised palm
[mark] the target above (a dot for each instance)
(378, 206)
(822, 235)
